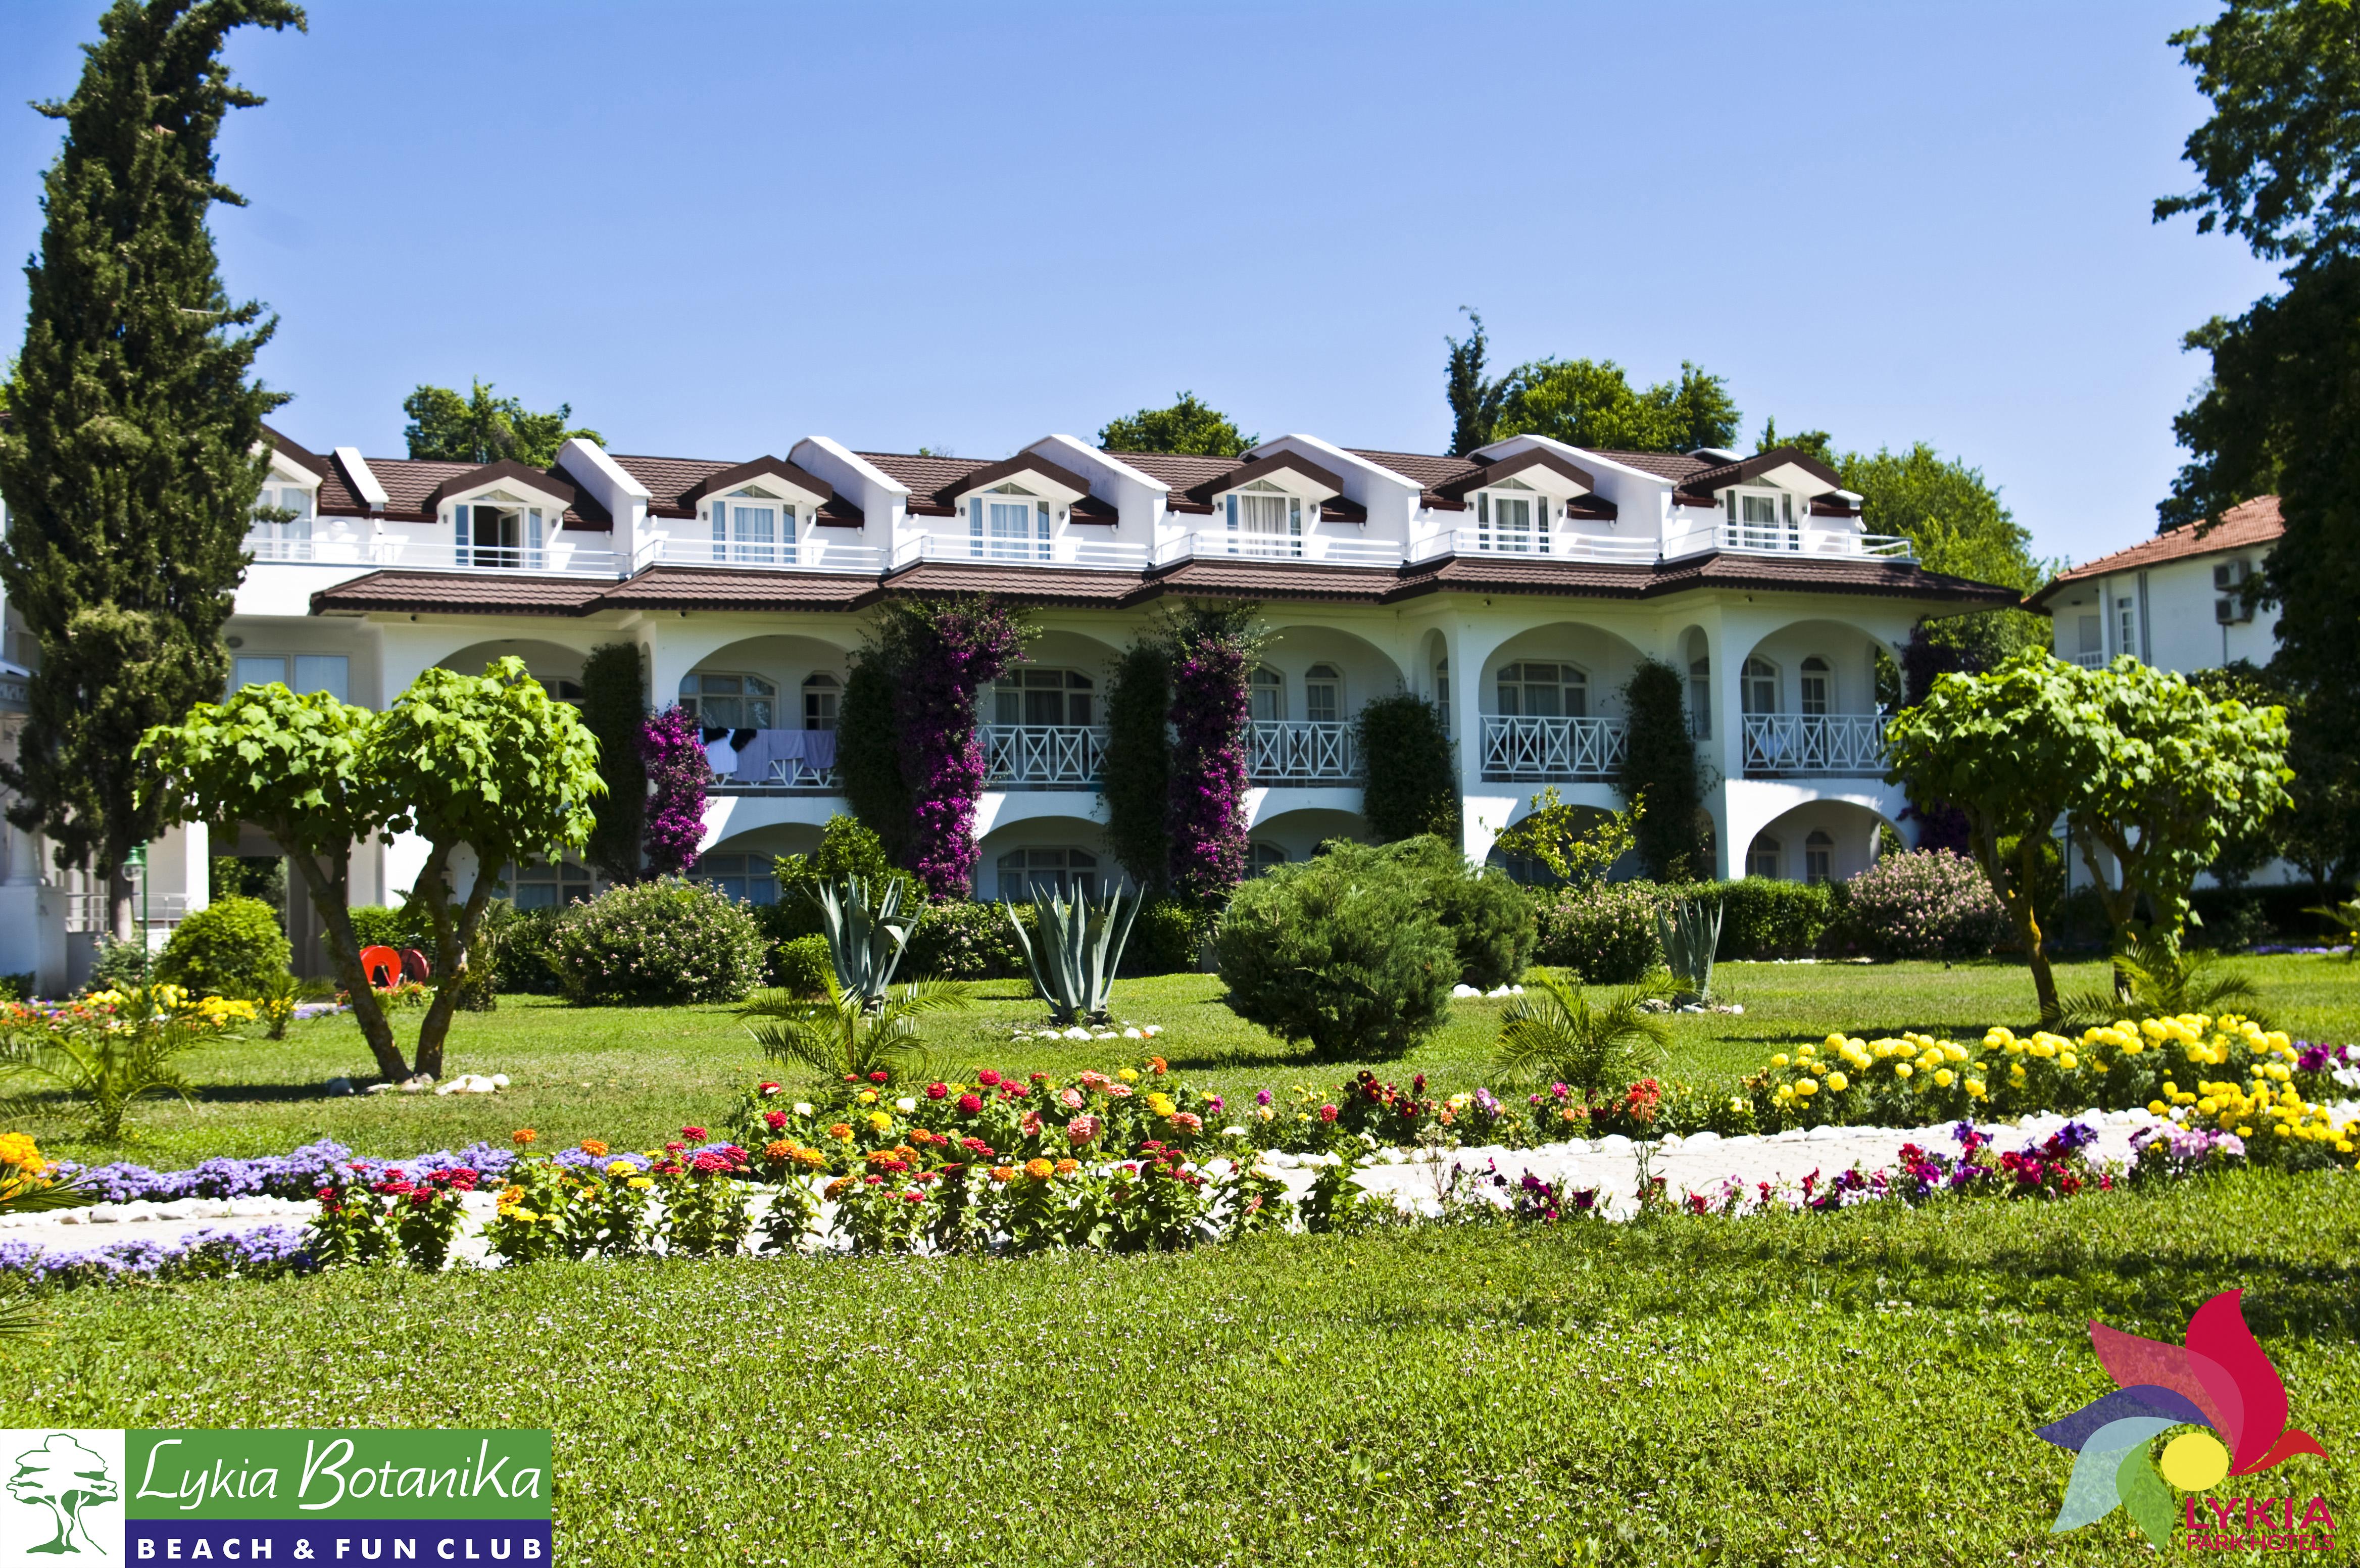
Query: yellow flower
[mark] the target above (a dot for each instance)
(1128, 1075)
(2067, 1061)
(1942, 1079)
(1975, 1088)
(1838, 1082)
(1903, 1070)
(1778, 1060)
(867, 1097)
(879, 1120)
(1807, 1087)
(621, 1167)
(641, 1182)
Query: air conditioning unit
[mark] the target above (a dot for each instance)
(2231, 610)
(2234, 574)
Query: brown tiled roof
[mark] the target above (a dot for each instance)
(1204, 490)
(1788, 573)
(2242, 527)
(486, 592)
(1270, 580)
(924, 477)
(697, 587)
(1424, 469)
(312, 460)
(1103, 590)
(1677, 466)
(744, 473)
(410, 483)
(666, 479)
(1180, 470)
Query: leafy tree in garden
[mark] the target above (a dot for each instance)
(941, 655)
(297, 767)
(1410, 786)
(1592, 403)
(1187, 426)
(481, 428)
(2182, 773)
(486, 764)
(614, 707)
(1136, 779)
(2013, 750)
(1659, 772)
(130, 459)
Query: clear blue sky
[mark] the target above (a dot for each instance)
(715, 228)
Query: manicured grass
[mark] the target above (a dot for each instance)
(1839, 1389)
(631, 1076)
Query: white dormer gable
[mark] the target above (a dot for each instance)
(879, 495)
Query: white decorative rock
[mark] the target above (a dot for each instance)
(1078, 1033)
(1463, 991)
(1829, 1134)
(1132, 1035)
(1737, 1009)
(1613, 1143)
(1693, 1139)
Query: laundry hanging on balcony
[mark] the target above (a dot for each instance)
(771, 756)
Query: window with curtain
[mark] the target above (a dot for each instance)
(1032, 695)
(1818, 855)
(1758, 685)
(1266, 696)
(1513, 524)
(1262, 855)
(1062, 872)
(748, 879)
(1814, 683)
(821, 694)
(1323, 694)
(288, 539)
(752, 528)
(1765, 521)
(1008, 524)
(1533, 690)
(1700, 698)
(1265, 520)
(1762, 858)
(301, 674)
(490, 535)
(542, 885)
(730, 701)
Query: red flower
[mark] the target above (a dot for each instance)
(697, 1134)
(937, 1091)
(776, 1119)
(969, 1104)
(988, 1078)
(674, 1148)
(1327, 1113)
(880, 1076)
(769, 1087)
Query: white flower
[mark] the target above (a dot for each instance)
(803, 1108)
(906, 1104)
(1233, 1131)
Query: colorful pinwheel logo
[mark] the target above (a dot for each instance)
(2220, 1381)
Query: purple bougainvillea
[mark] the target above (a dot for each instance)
(945, 654)
(1212, 649)
(674, 749)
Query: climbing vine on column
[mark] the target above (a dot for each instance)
(672, 751)
(1213, 648)
(944, 653)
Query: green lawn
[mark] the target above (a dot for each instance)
(1852, 1388)
(633, 1075)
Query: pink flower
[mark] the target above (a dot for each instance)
(1119, 1089)
(691, 1132)
(777, 1119)
(1190, 1120)
(1030, 1123)
(988, 1078)
(1070, 1098)
(1081, 1130)
(969, 1104)
(1326, 1112)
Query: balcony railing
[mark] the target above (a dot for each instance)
(560, 557)
(812, 554)
(1533, 546)
(1098, 554)
(1042, 756)
(1301, 752)
(2088, 659)
(1218, 544)
(1518, 751)
(1798, 745)
(1778, 539)
(765, 761)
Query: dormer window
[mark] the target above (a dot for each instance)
(1265, 520)
(282, 522)
(751, 526)
(1763, 520)
(1007, 522)
(1512, 516)
(499, 529)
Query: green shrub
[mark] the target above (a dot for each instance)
(121, 966)
(1489, 916)
(1766, 918)
(846, 848)
(528, 960)
(1135, 778)
(1659, 767)
(1923, 904)
(16, 986)
(962, 940)
(1342, 950)
(662, 942)
(1167, 938)
(230, 949)
(1410, 786)
(377, 925)
(1605, 933)
(802, 965)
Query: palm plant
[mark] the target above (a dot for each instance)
(1074, 950)
(2346, 916)
(101, 1065)
(842, 1036)
(1553, 1034)
(2163, 980)
(867, 935)
(1691, 932)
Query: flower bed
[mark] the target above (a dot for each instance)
(105, 1008)
(2227, 1073)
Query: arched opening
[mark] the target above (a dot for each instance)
(753, 699)
(1553, 706)
(1764, 857)
(1818, 855)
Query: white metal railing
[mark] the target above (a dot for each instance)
(1042, 756)
(1519, 748)
(156, 912)
(561, 556)
(810, 554)
(2089, 660)
(1218, 544)
(1532, 546)
(1792, 744)
(1089, 553)
(1779, 539)
(1301, 750)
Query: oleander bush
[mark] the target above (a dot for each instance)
(1345, 950)
(1488, 915)
(1605, 933)
(962, 940)
(664, 941)
(1923, 903)
(230, 949)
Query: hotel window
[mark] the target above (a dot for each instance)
(1758, 687)
(1028, 696)
(1062, 872)
(544, 886)
(821, 694)
(1265, 520)
(1007, 523)
(752, 526)
(1514, 524)
(748, 879)
(1266, 696)
(1815, 682)
(1818, 852)
(1264, 855)
(1700, 698)
(1764, 520)
(299, 672)
(1323, 694)
(282, 537)
(1543, 691)
(1762, 859)
(499, 529)
(1442, 695)
(2092, 629)
(730, 702)
(2126, 625)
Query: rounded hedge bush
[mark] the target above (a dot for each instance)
(1168, 938)
(657, 943)
(1344, 951)
(1488, 915)
(1605, 933)
(230, 949)
(802, 966)
(1925, 904)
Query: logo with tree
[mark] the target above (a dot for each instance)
(64, 1477)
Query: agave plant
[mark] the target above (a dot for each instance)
(1691, 932)
(1553, 1034)
(1072, 950)
(866, 936)
(2162, 979)
(841, 1035)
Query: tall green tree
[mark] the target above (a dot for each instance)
(1187, 426)
(1657, 776)
(615, 709)
(1592, 403)
(131, 459)
(1474, 398)
(481, 428)
(1135, 780)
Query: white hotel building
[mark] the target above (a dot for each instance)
(1518, 588)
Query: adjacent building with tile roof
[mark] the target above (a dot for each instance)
(2174, 601)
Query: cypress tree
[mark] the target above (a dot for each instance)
(614, 707)
(1137, 778)
(868, 758)
(1410, 787)
(1660, 767)
(131, 458)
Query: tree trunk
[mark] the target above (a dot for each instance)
(332, 896)
(122, 917)
(2044, 981)
(452, 933)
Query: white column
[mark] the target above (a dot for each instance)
(1484, 809)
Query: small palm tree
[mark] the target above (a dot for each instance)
(2346, 916)
(100, 1068)
(839, 1034)
(2159, 980)
(1553, 1035)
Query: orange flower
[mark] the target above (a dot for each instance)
(839, 1187)
(594, 1148)
(1003, 1173)
(1039, 1169)
(1067, 1167)
(523, 1136)
(1155, 1064)
(778, 1149)
(810, 1159)
(840, 1130)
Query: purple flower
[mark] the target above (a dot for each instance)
(674, 749)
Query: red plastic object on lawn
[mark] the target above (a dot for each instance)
(415, 967)
(382, 965)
